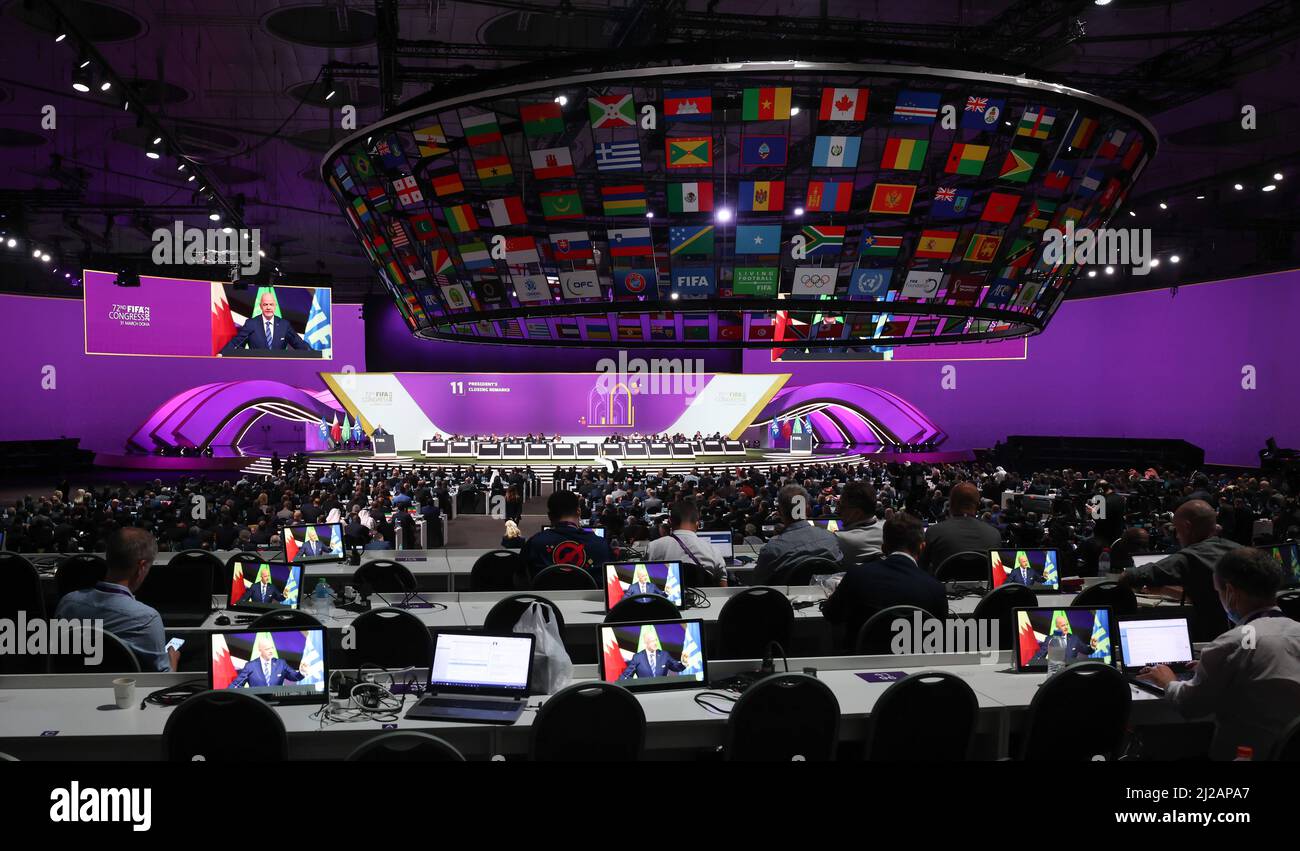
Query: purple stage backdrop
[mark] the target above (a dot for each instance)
(53, 389)
(1214, 365)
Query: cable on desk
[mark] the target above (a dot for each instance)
(174, 695)
(694, 598)
(704, 699)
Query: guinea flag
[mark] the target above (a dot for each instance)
(904, 154)
(690, 197)
(769, 104)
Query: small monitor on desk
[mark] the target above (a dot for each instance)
(317, 542)
(627, 579)
(653, 655)
(281, 665)
(1035, 568)
(264, 586)
(1286, 554)
(1085, 632)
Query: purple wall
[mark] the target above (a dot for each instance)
(1135, 365)
(103, 399)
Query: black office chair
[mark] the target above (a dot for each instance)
(1000, 605)
(497, 570)
(589, 722)
(116, 658)
(1287, 747)
(639, 608)
(222, 582)
(185, 580)
(563, 577)
(782, 718)
(191, 732)
(385, 576)
(968, 566)
(1289, 603)
(876, 637)
(803, 572)
(79, 572)
(1121, 599)
(405, 747)
(281, 618)
(751, 620)
(390, 638)
(928, 717)
(503, 616)
(22, 594)
(1078, 713)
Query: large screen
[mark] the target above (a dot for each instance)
(193, 318)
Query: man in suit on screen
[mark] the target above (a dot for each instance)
(263, 590)
(653, 661)
(1023, 572)
(266, 332)
(311, 546)
(266, 669)
(641, 584)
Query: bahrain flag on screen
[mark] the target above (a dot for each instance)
(223, 667)
(223, 324)
(615, 593)
(238, 584)
(291, 543)
(614, 661)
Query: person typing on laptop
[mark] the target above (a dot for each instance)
(684, 546)
(1249, 677)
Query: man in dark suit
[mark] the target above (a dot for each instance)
(266, 332)
(1074, 648)
(1023, 573)
(641, 584)
(263, 590)
(963, 531)
(267, 669)
(312, 545)
(895, 580)
(653, 661)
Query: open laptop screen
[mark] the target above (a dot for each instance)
(1159, 641)
(1287, 554)
(721, 541)
(481, 663)
(269, 662)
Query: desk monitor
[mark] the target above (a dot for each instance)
(284, 665)
(1086, 630)
(480, 663)
(627, 579)
(313, 543)
(1155, 641)
(1287, 554)
(264, 586)
(653, 655)
(1035, 568)
(721, 542)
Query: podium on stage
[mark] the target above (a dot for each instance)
(385, 445)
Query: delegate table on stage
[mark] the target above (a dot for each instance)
(73, 716)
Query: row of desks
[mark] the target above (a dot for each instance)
(73, 716)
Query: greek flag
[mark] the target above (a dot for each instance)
(312, 660)
(691, 647)
(319, 334)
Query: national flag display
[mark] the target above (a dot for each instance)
(843, 105)
(494, 170)
(561, 205)
(981, 113)
(829, 196)
(407, 191)
(999, 207)
(950, 202)
(446, 183)
(880, 244)
(480, 129)
(966, 159)
(763, 150)
(892, 198)
(689, 152)
(904, 154)
(430, 141)
(688, 105)
(762, 196)
(836, 151)
(983, 248)
(611, 111)
(542, 119)
(770, 104)
(628, 200)
(690, 197)
(935, 244)
(1111, 146)
(916, 107)
(1036, 123)
(572, 245)
(758, 239)
(821, 240)
(630, 242)
(1018, 167)
(460, 219)
(521, 249)
(618, 156)
(551, 162)
(690, 240)
(1084, 129)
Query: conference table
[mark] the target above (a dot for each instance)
(72, 716)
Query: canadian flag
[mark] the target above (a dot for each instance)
(238, 584)
(843, 105)
(223, 324)
(614, 661)
(223, 669)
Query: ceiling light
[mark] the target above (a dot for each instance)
(798, 211)
(81, 80)
(794, 110)
(1174, 258)
(1200, 197)
(45, 258)
(1164, 206)
(60, 37)
(650, 215)
(1277, 175)
(1238, 187)
(723, 214)
(1270, 187)
(561, 100)
(675, 296)
(13, 243)
(1110, 270)
(214, 216)
(1101, 2)
(36, 252)
(1155, 261)
(1131, 213)
(106, 85)
(1092, 273)
(156, 140)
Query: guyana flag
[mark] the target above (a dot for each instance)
(1018, 166)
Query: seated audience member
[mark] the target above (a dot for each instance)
(1192, 567)
(895, 580)
(513, 539)
(861, 534)
(130, 555)
(1249, 677)
(566, 542)
(684, 546)
(798, 541)
(962, 531)
(1134, 542)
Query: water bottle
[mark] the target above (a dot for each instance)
(1055, 653)
(320, 597)
(1103, 563)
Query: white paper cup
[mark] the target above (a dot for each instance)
(124, 692)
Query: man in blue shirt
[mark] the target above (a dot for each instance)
(130, 554)
(566, 542)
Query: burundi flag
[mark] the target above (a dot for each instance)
(611, 111)
(319, 332)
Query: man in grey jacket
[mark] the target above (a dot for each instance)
(1249, 677)
(861, 535)
(797, 542)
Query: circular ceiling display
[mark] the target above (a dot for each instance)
(98, 22)
(746, 204)
(321, 26)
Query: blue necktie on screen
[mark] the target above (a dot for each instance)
(270, 337)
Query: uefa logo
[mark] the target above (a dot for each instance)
(634, 282)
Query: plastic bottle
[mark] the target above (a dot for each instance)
(320, 597)
(1103, 563)
(1055, 653)
(1245, 753)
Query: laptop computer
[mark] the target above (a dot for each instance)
(652, 655)
(280, 665)
(1036, 568)
(721, 541)
(1154, 641)
(477, 677)
(1287, 554)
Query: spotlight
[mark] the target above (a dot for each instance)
(81, 79)
(562, 100)
(798, 211)
(674, 296)
(214, 212)
(1164, 206)
(84, 62)
(1174, 258)
(189, 179)
(60, 37)
(227, 229)
(157, 140)
(106, 85)
(45, 258)
(1155, 261)
(12, 243)
(1092, 273)
(1200, 197)
(1277, 175)
(1110, 270)
(1131, 213)
(723, 214)
(36, 253)
(794, 110)
(1238, 187)
(155, 149)
(650, 215)
(1101, 2)
(180, 167)
(1269, 188)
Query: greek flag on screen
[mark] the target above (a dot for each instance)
(319, 334)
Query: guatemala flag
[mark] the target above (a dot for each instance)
(312, 661)
(319, 333)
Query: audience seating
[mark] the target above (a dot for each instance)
(117, 659)
(589, 722)
(79, 572)
(189, 735)
(804, 570)
(876, 638)
(497, 570)
(390, 638)
(503, 616)
(751, 620)
(643, 607)
(929, 717)
(783, 718)
(22, 594)
(285, 618)
(968, 566)
(406, 747)
(562, 577)
(1078, 714)
(1119, 598)
(1000, 605)
(385, 577)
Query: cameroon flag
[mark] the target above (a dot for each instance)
(766, 105)
(904, 154)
